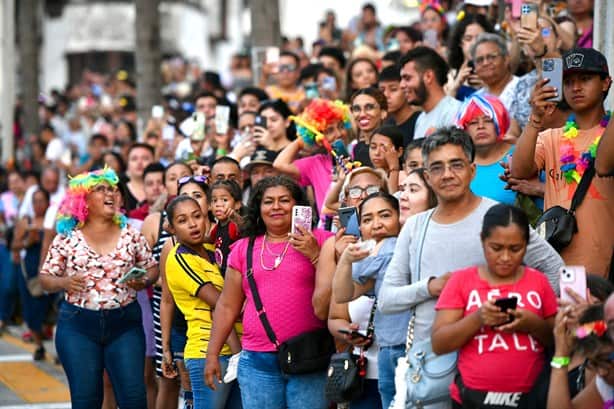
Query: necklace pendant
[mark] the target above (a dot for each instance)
(277, 262)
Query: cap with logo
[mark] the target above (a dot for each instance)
(584, 60)
(261, 156)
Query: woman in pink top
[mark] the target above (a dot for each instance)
(284, 271)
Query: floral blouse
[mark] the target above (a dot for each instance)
(71, 255)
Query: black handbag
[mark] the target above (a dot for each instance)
(305, 353)
(558, 225)
(346, 373)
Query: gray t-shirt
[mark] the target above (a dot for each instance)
(447, 248)
(444, 114)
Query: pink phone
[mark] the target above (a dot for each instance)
(301, 216)
(573, 277)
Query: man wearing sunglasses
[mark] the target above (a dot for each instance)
(285, 80)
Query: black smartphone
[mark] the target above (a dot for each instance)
(260, 121)
(471, 65)
(353, 334)
(507, 304)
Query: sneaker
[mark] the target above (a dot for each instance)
(231, 371)
(27, 336)
(39, 354)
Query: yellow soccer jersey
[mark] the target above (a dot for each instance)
(186, 273)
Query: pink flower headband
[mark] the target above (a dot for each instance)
(596, 327)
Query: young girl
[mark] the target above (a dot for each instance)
(501, 350)
(385, 151)
(416, 195)
(225, 204)
(195, 282)
(369, 109)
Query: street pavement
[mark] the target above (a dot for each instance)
(29, 384)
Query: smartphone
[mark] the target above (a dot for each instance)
(507, 304)
(222, 114)
(552, 69)
(351, 333)
(301, 216)
(573, 277)
(348, 217)
(260, 121)
(272, 55)
(529, 13)
(157, 112)
(311, 90)
(329, 83)
(431, 39)
(471, 65)
(133, 273)
(168, 132)
(516, 5)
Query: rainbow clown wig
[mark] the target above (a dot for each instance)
(73, 209)
(481, 104)
(318, 116)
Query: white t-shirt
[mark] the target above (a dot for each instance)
(444, 114)
(507, 95)
(606, 391)
(360, 310)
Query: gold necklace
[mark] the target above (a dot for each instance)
(278, 259)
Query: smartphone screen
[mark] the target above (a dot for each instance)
(552, 69)
(507, 304)
(222, 114)
(348, 217)
(573, 277)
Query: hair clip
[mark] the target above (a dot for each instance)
(596, 327)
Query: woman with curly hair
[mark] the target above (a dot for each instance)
(99, 323)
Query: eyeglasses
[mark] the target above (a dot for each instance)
(357, 191)
(287, 68)
(455, 167)
(487, 58)
(187, 179)
(104, 189)
(356, 109)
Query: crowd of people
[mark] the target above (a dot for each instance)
(398, 188)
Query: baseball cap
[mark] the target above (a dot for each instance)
(261, 156)
(479, 3)
(584, 60)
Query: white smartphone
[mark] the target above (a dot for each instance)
(573, 277)
(301, 216)
(157, 112)
(222, 115)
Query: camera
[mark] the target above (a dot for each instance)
(548, 65)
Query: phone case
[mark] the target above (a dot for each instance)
(528, 15)
(133, 273)
(573, 277)
(552, 68)
(301, 216)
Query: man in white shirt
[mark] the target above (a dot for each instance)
(423, 75)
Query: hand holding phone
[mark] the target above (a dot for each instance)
(301, 216)
(133, 274)
(529, 13)
(352, 333)
(573, 277)
(506, 304)
(552, 69)
(348, 218)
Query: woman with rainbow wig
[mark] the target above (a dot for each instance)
(100, 263)
(321, 128)
(486, 120)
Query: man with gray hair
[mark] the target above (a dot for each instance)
(492, 64)
(432, 245)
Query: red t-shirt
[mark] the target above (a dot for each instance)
(493, 360)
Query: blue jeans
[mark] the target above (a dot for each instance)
(8, 284)
(263, 385)
(89, 341)
(386, 364)
(226, 395)
(370, 398)
(34, 309)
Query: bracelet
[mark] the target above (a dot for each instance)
(544, 53)
(559, 362)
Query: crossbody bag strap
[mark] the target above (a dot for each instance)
(415, 276)
(582, 188)
(256, 295)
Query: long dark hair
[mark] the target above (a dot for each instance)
(503, 215)
(457, 57)
(253, 224)
(349, 90)
(282, 109)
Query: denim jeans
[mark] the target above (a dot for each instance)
(386, 364)
(8, 284)
(89, 341)
(226, 395)
(34, 309)
(263, 385)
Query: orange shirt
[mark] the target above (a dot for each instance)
(293, 99)
(593, 244)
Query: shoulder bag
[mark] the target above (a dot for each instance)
(347, 371)
(558, 225)
(305, 353)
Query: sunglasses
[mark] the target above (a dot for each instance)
(187, 179)
(287, 68)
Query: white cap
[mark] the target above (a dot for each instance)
(479, 3)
